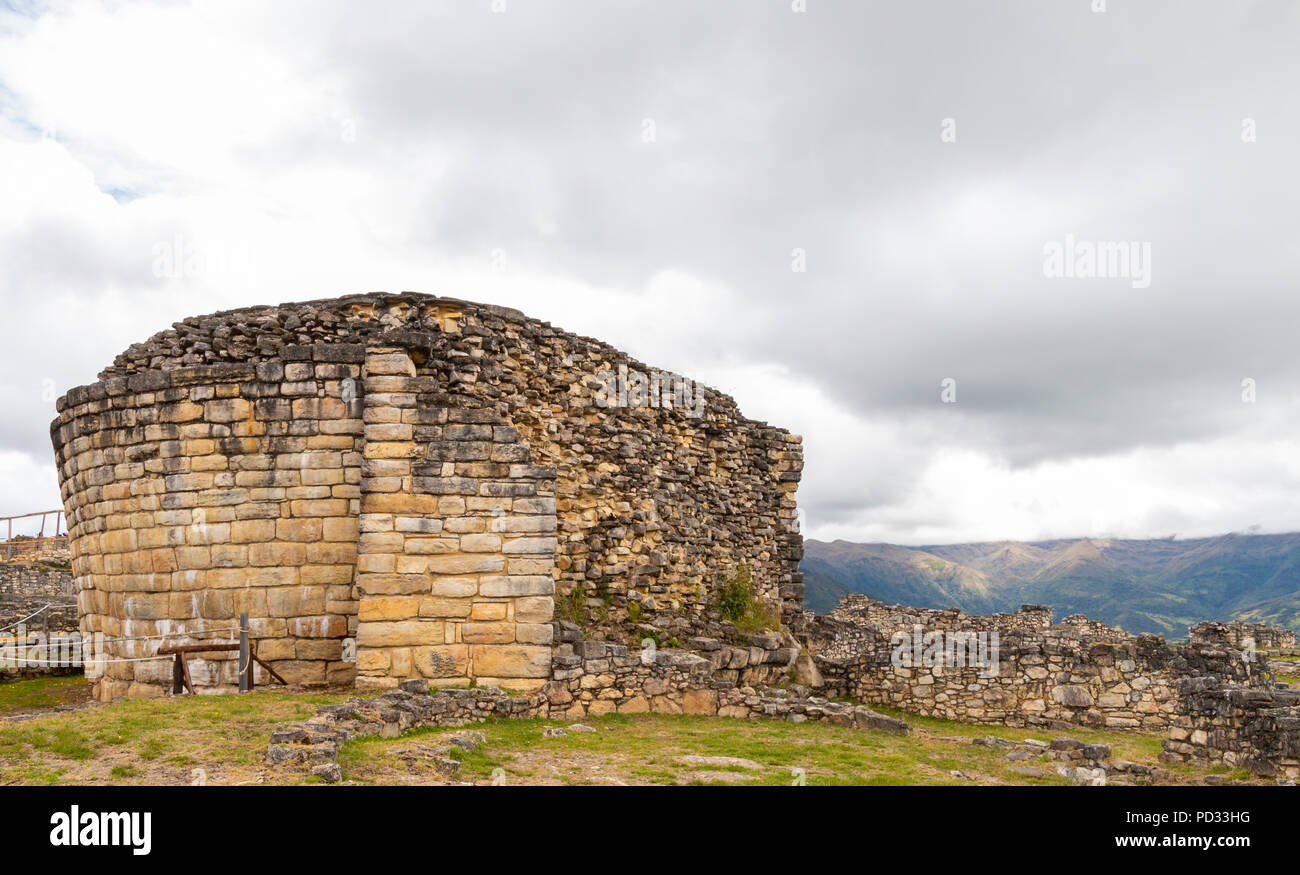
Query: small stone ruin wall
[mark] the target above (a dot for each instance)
(597, 679)
(1045, 675)
(401, 486)
(37, 601)
(1093, 628)
(1238, 633)
(27, 588)
(1223, 724)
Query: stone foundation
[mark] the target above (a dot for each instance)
(669, 682)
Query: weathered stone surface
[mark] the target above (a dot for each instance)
(1019, 669)
(402, 472)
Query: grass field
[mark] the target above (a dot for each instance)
(222, 739)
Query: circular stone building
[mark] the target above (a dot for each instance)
(398, 486)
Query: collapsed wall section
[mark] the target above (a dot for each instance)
(1220, 723)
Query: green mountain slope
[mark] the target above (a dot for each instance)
(1142, 585)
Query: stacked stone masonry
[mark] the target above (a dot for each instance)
(399, 487)
(1227, 724)
(1033, 673)
(1241, 634)
(607, 680)
(37, 606)
(43, 589)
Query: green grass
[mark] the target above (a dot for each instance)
(738, 602)
(1138, 747)
(153, 740)
(35, 693)
(648, 749)
(164, 741)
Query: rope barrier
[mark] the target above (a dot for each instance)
(70, 664)
(40, 610)
(196, 634)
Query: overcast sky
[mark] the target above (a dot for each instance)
(825, 213)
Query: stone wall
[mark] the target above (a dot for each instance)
(327, 467)
(37, 602)
(1034, 675)
(1250, 728)
(1094, 628)
(197, 493)
(857, 620)
(457, 548)
(602, 679)
(1238, 632)
(28, 587)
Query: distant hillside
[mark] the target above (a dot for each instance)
(1143, 586)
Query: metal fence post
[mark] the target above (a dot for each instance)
(245, 660)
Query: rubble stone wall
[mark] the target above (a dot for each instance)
(1029, 676)
(1238, 633)
(602, 679)
(1219, 723)
(37, 604)
(27, 587)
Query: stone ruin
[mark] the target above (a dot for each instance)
(1215, 699)
(404, 490)
(38, 607)
(1240, 634)
(403, 487)
(1033, 673)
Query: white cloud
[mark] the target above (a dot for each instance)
(304, 151)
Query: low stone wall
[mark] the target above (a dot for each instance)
(857, 620)
(1085, 625)
(27, 587)
(604, 679)
(593, 677)
(1237, 633)
(37, 601)
(1009, 669)
(1254, 729)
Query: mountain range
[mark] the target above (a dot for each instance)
(1160, 585)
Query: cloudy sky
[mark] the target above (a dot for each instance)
(826, 209)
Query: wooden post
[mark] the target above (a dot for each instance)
(245, 659)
